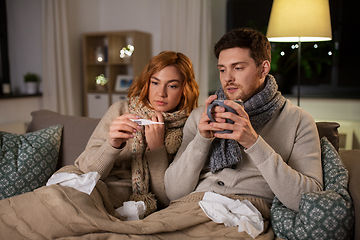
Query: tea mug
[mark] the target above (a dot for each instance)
(221, 103)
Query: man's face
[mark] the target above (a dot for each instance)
(239, 75)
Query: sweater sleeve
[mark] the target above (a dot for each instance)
(99, 156)
(182, 176)
(158, 161)
(301, 173)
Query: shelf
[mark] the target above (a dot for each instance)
(20, 95)
(108, 46)
(91, 64)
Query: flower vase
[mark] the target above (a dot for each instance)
(101, 88)
(31, 87)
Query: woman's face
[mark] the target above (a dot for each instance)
(165, 89)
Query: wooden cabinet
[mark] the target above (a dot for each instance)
(101, 55)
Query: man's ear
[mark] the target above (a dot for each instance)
(265, 68)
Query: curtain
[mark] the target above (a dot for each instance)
(186, 28)
(59, 86)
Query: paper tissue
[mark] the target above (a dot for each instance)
(231, 212)
(132, 210)
(84, 183)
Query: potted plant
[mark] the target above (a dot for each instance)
(101, 82)
(31, 83)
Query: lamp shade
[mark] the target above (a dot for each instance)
(299, 20)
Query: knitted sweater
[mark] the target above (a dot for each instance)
(114, 165)
(285, 161)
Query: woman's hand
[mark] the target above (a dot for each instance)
(154, 133)
(122, 128)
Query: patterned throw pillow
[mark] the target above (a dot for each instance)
(27, 161)
(327, 214)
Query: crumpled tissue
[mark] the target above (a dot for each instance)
(84, 183)
(132, 210)
(232, 213)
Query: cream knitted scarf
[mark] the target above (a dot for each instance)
(261, 108)
(174, 123)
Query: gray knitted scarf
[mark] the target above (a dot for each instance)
(261, 108)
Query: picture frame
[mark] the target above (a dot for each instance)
(123, 82)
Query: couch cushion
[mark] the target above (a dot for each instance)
(27, 161)
(76, 132)
(351, 159)
(327, 214)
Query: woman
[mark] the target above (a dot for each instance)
(131, 159)
(166, 92)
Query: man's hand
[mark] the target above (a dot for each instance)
(205, 129)
(154, 133)
(122, 128)
(243, 132)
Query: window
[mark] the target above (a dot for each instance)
(328, 69)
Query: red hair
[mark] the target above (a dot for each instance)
(190, 91)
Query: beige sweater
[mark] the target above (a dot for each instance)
(285, 161)
(114, 165)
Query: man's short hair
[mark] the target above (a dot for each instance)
(259, 45)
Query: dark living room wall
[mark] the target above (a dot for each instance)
(4, 59)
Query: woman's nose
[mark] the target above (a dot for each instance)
(162, 91)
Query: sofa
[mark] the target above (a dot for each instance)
(77, 130)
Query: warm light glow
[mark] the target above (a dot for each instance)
(99, 54)
(299, 20)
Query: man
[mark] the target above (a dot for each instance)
(274, 148)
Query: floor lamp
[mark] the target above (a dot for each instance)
(299, 21)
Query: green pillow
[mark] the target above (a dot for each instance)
(327, 214)
(27, 161)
